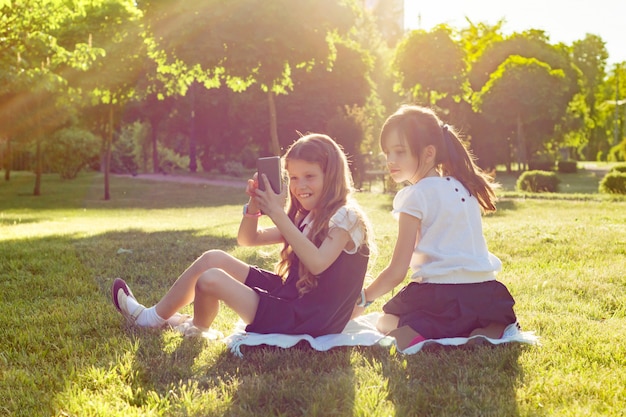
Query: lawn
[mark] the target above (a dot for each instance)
(65, 351)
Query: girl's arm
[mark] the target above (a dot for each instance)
(316, 260)
(395, 272)
(249, 234)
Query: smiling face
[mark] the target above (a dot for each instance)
(306, 182)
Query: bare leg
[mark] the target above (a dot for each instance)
(492, 331)
(215, 285)
(388, 324)
(404, 336)
(183, 291)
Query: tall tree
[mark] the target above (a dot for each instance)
(531, 44)
(115, 26)
(247, 42)
(33, 64)
(430, 62)
(528, 96)
(590, 56)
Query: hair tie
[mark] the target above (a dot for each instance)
(444, 127)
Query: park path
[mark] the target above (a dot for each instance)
(188, 179)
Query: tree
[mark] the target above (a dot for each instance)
(529, 44)
(320, 94)
(111, 80)
(33, 64)
(477, 37)
(430, 62)
(526, 95)
(246, 42)
(590, 56)
(554, 130)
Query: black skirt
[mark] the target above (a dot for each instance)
(438, 311)
(324, 310)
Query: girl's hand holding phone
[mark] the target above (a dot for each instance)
(253, 184)
(268, 200)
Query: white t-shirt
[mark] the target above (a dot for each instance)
(452, 247)
(345, 219)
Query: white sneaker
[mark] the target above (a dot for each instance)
(177, 319)
(188, 329)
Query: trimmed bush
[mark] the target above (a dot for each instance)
(618, 168)
(567, 167)
(537, 181)
(613, 183)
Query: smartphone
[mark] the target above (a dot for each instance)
(270, 166)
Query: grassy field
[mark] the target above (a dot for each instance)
(65, 351)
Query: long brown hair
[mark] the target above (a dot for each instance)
(421, 127)
(336, 192)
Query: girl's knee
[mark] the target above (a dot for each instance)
(212, 258)
(387, 323)
(208, 282)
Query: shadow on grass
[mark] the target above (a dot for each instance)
(300, 380)
(267, 381)
(65, 357)
(472, 381)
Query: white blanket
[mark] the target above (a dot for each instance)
(359, 332)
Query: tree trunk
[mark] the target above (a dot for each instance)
(108, 142)
(522, 158)
(193, 166)
(39, 134)
(274, 145)
(9, 160)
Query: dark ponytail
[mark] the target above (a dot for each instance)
(460, 165)
(421, 127)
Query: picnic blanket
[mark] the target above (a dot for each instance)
(359, 332)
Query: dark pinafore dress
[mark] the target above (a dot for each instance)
(323, 310)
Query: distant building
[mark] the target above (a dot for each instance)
(390, 17)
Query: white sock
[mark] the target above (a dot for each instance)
(149, 317)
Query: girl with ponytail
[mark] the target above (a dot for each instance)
(453, 291)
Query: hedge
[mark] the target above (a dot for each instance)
(537, 181)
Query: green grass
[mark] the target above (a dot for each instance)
(65, 351)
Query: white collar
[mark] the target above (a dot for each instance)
(305, 224)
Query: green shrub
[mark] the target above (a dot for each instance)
(617, 153)
(249, 156)
(233, 168)
(70, 150)
(567, 167)
(538, 181)
(170, 161)
(618, 168)
(124, 152)
(613, 183)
